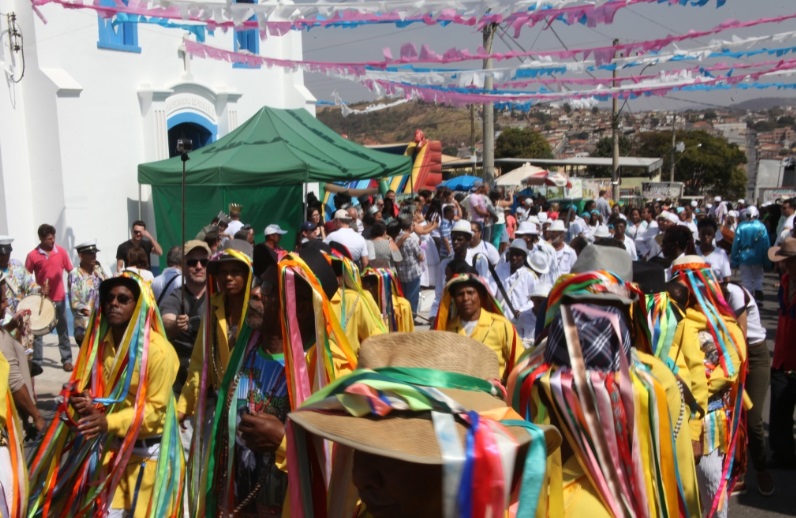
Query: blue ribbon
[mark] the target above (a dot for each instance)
(465, 499)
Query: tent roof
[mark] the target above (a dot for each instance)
(517, 176)
(273, 148)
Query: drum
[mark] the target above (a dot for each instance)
(42, 313)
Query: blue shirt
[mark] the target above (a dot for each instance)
(445, 232)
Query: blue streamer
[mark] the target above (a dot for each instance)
(534, 472)
(465, 498)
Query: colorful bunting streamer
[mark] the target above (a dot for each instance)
(277, 18)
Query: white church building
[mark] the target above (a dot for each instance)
(85, 101)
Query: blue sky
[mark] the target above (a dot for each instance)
(640, 22)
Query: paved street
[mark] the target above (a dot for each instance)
(751, 504)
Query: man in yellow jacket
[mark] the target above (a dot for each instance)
(469, 309)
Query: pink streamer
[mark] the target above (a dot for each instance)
(302, 378)
(214, 14)
(602, 55)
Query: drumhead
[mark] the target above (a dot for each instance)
(42, 313)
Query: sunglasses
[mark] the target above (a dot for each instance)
(121, 299)
(193, 262)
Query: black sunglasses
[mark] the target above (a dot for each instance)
(194, 262)
(121, 299)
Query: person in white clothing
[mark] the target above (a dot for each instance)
(785, 226)
(620, 226)
(716, 257)
(235, 223)
(461, 233)
(517, 281)
(530, 233)
(349, 238)
(482, 255)
(565, 255)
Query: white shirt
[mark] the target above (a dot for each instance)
(487, 249)
(518, 286)
(755, 333)
(636, 231)
(233, 227)
(786, 228)
(630, 246)
(349, 238)
(719, 263)
(565, 257)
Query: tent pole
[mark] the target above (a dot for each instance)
(139, 201)
(183, 147)
(304, 216)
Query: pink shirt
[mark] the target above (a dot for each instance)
(50, 267)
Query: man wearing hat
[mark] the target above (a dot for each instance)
(309, 231)
(469, 309)
(182, 309)
(19, 282)
(565, 255)
(115, 440)
(461, 234)
(225, 316)
(84, 282)
(516, 284)
(573, 374)
(273, 234)
(783, 366)
(349, 238)
(235, 224)
(409, 454)
(750, 252)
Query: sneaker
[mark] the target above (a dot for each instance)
(765, 483)
(68, 367)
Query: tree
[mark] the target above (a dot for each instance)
(709, 165)
(710, 115)
(522, 143)
(605, 149)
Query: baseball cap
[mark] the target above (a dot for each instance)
(274, 229)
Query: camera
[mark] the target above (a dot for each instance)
(184, 145)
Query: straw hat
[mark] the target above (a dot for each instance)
(786, 251)
(410, 436)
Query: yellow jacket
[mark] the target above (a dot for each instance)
(495, 332)
(190, 391)
(162, 365)
(362, 317)
(404, 319)
(688, 356)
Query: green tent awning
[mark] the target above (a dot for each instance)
(261, 165)
(276, 148)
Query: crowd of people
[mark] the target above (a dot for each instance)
(582, 358)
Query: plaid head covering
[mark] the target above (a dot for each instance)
(600, 343)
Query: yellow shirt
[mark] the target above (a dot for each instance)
(362, 317)
(5, 393)
(495, 332)
(688, 356)
(190, 391)
(162, 365)
(404, 319)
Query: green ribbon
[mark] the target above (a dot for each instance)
(394, 377)
(533, 474)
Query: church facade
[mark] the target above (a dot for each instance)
(87, 99)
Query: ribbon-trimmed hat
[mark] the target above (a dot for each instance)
(232, 252)
(785, 251)
(446, 372)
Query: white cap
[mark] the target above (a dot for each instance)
(602, 231)
(694, 203)
(274, 229)
(733, 213)
(526, 227)
(717, 199)
(557, 226)
(462, 226)
(6, 240)
(528, 202)
(752, 212)
(342, 215)
(87, 246)
(542, 216)
(709, 206)
(741, 201)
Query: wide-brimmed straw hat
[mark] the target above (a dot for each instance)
(784, 251)
(410, 436)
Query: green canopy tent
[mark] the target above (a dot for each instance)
(261, 165)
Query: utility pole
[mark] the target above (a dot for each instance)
(489, 109)
(472, 129)
(674, 146)
(615, 136)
